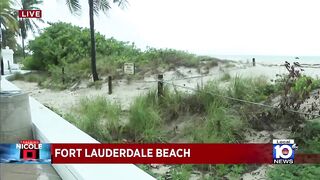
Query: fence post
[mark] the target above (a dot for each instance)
(110, 84)
(160, 85)
(2, 66)
(62, 70)
(9, 67)
(253, 61)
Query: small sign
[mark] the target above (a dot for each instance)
(128, 68)
(30, 13)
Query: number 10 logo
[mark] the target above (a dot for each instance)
(283, 153)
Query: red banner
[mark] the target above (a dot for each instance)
(163, 153)
(30, 13)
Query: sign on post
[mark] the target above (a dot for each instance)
(128, 68)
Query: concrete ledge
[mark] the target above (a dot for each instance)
(49, 127)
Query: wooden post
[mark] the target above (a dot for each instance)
(2, 66)
(110, 84)
(62, 77)
(160, 85)
(9, 67)
(253, 61)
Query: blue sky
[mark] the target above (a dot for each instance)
(265, 27)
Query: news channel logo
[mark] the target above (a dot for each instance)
(25, 152)
(283, 151)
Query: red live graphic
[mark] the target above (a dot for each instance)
(30, 13)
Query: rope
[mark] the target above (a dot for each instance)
(245, 101)
(170, 80)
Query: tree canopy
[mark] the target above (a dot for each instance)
(64, 43)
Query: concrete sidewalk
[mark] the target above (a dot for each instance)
(25, 171)
(28, 172)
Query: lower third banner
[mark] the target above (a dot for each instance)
(283, 151)
(163, 153)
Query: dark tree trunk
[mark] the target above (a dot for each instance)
(93, 43)
(24, 54)
(1, 60)
(23, 36)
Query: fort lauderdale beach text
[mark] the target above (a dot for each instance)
(122, 152)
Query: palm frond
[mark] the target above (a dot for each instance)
(104, 5)
(74, 6)
(101, 5)
(9, 25)
(9, 21)
(121, 3)
(36, 27)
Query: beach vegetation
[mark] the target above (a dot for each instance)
(220, 111)
(98, 117)
(62, 45)
(308, 141)
(144, 121)
(225, 77)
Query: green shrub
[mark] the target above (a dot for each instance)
(108, 65)
(315, 83)
(302, 85)
(211, 93)
(17, 76)
(250, 89)
(37, 77)
(144, 121)
(99, 118)
(310, 130)
(171, 105)
(96, 84)
(32, 64)
(72, 73)
(181, 172)
(223, 124)
(294, 172)
(171, 57)
(309, 137)
(219, 126)
(229, 65)
(225, 77)
(64, 45)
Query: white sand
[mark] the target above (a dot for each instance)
(125, 93)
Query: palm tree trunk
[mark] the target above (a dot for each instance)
(23, 35)
(1, 60)
(24, 54)
(93, 43)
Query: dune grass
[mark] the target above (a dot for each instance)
(99, 118)
(144, 121)
(37, 77)
(220, 120)
(250, 89)
(225, 77)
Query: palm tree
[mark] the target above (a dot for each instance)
(27, 24)
(8, 21)
(95, 6)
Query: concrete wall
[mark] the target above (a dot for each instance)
(49, 127)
